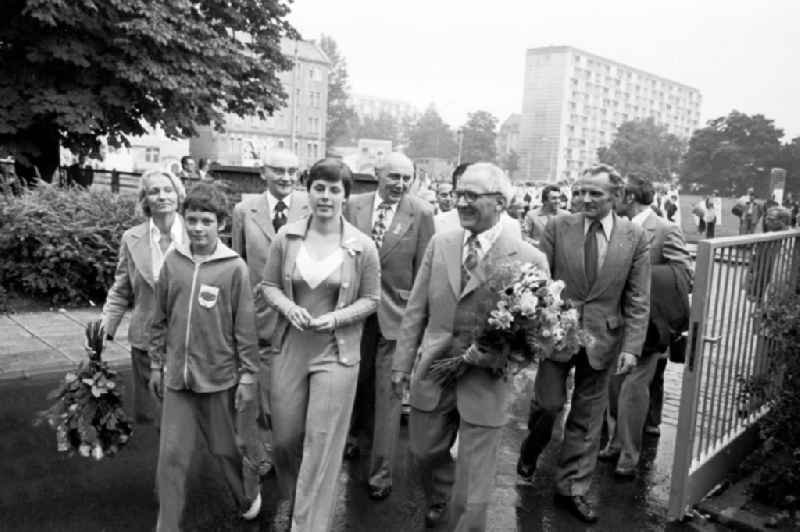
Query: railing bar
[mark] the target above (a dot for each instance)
(742, 314)
(728, 298)
(711, 425)
(759, 264)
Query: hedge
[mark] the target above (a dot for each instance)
(61, 245)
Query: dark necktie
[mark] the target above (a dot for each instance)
(470, 259)
(590, 252)
(279, 220)
(379, 228)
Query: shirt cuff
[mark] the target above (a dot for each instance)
(247, 378)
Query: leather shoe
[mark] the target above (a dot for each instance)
(578, 506)
(378, 494)
(351, 451)
(526, 471)
(625, 471)
(435, 515)
(608, 453)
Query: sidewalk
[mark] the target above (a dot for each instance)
(37, 343)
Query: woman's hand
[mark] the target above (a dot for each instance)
(299, 317)
(156, 384)
(324, 323)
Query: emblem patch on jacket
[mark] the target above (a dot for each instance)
(207, 297)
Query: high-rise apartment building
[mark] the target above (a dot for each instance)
(574, 101)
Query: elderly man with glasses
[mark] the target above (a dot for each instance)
(256, 221)
(401, 225)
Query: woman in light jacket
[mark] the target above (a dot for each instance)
(323, 278)
(141, 254)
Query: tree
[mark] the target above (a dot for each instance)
(71, 72)
(733, 153)
(431, 137)
(384, 126)
(789, 160)
(510, 162)
(342, 120)
(479, 137)
(644, 147)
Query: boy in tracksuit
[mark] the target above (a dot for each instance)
(204, 358)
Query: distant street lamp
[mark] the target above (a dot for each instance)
(460, 136)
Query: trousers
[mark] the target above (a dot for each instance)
(146, 408)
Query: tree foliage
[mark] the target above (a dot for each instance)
(71, 71)
(342, 120)
(644, 147)
(431, 137)
(733, 153)
(479, 137)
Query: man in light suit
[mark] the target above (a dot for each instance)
(256, 220)
(401, 226)
(603, 260)
(630, 394)
(449, 303)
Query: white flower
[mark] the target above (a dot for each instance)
(70, 377)
(559, 333)
(527, 304)
(85, 450)
(501, 319)
(97, 452)
(554, 289)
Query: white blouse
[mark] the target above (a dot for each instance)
(314, 271)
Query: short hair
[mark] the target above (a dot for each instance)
(458, 172)
(186, 158)
(547, 190)
(144, 181)
(331, 170)
(640, 188)
(395, 157)
(207, 197)
(496, 180)
(613, 176)
(440, 184)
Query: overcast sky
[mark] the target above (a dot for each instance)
(464, 55)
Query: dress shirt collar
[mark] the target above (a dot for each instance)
(175, 232)
(641, 217)
(272, 201)
(607, 222)
(487, 238)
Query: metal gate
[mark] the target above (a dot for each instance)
(726, 352)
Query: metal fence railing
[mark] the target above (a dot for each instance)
(727, 354)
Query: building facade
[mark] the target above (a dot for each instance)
(574, 101)
(299, 126)
(373, 107)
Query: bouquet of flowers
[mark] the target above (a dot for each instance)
(529, 320)
(87, 414)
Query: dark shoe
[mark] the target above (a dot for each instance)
(435, 515)
(378, 494)
(351, 451)
(608, 453)
(652, 430)
(526, 471)
(578, 506)
(627, 472)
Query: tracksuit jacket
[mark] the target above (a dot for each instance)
(203, 331)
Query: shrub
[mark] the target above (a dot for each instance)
(62, 244)
(777, 462)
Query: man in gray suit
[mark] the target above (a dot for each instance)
(256, 220)
(630, 393)
(603, 260)
(401, 226)
(449, 303)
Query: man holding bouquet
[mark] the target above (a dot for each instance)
(450, 303)
(603, 259)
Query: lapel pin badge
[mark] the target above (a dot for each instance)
(398, 229)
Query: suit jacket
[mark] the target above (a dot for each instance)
(359, 289)
(615, 310)
(252, 235)
(133, 286)
(667, 244)
(441, 320)
(535, 222)
(401, 252)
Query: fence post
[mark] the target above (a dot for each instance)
(114, 181)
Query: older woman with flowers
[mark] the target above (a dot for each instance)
(141, 255)
(322, 276)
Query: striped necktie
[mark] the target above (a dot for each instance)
(379, 228)
(470, 259)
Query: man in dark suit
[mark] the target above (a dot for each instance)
(451, 300)
(401, 226)
(256, 220)
(629, 398)
(603, 260)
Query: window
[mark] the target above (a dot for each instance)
(308, 149)
(152, 154)
(297, 96)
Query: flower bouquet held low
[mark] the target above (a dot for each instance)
(529, 320)
(87, 414)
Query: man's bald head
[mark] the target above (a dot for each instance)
(395, 174)
(280, 172)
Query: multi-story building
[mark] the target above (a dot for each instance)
(373, 107)
(299, 126)
(574, 101)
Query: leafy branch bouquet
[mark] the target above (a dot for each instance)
(529, 320)
(87, 414)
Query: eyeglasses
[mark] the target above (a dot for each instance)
(282, 170)
(396, 176)
(470, 196)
